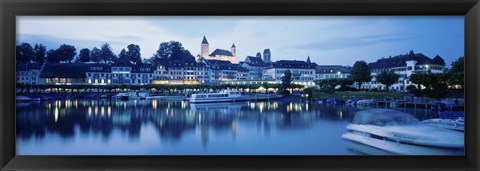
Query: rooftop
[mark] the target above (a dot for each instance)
(221, 52)
(293, 64)
(400, 61)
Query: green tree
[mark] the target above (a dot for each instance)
(52, 56)
(327, 85)
(84, 55)
(457, 73)
(39, 53)
(360, 73)
(122, 57)
(66, 53)
(388, 78)
(172, 50)
(106, 53)
(95, 55)
(286, 80)
(133, 54)
(24, 53)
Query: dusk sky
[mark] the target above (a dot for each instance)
(328, 40)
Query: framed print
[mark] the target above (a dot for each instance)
(239, 85)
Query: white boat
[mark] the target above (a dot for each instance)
(453, 124)
(399, 133)
(26, 98)
(222, 96)
(366, 102)
(131, 95)
(396, 103)
(156, 97)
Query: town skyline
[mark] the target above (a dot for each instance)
(335, 44)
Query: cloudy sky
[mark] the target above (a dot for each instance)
(327, 40)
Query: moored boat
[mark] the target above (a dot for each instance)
(26, 98)
(222, 96)
(400, 133)
(453, 124)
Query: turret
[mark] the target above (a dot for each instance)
(204, 47)
(234, 50)
(267, 56)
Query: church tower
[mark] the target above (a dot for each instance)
(266, 56)
(234, 50)
(204, 47)
(308, 59)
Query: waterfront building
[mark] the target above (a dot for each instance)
(404, 65)
(217, 54)
(303, 73)
(226, 71)
(28, 73)
(63, 74)
(98, 74)
(121, 73)
(255, 67)
(332, 71)
(142, 74)
(182, 72)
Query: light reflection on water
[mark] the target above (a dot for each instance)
(155, 127)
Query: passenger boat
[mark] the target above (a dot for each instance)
(26, 98)
(131, 95)
(400, 133)
(453, 124)
(222, 96)
(366, 102)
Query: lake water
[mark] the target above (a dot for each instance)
(155, 127)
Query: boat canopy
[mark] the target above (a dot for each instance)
(384, 117)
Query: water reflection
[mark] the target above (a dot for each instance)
(247, 124)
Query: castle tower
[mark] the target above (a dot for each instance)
(267, 56)
(234, 50)
(204, 47)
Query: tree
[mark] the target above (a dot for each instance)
(360, 73)
(95, 55)
(327, 85)
(66, 53)
(173, 50)
(457, 73)
(388, 78)
(52, 56)
(435, 85)
(39, 53)
(122, 57)
(84, 55)
(134, 55)
(106, 53)
(24, 53)
(286, 80)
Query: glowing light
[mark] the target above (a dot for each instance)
(55, 114)
(89, 111)
(109, 111)
(154, 104)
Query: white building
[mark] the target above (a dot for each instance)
(332, 71)
(404, 65)
(303, 73)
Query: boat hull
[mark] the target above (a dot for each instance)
(219, 100)
(389, 147)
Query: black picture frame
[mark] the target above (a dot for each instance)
(11, 8)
